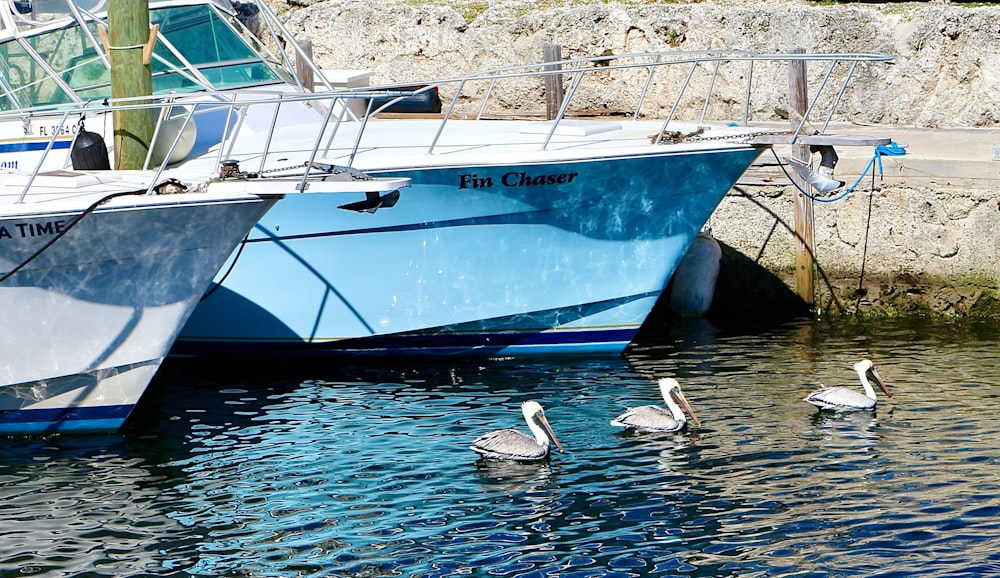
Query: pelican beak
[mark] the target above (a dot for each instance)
(683, 402)
(878, 379)
(544, 423)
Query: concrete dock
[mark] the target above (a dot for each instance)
(931, 154)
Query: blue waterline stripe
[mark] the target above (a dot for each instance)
(66, 419)
(30, 146)
(428, 345)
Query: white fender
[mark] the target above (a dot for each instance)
(168, 132)
(695, 278)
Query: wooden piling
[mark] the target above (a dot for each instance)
(553, 82)
(798, 100)
(128, 39)
(302, 68)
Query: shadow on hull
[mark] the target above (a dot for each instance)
(748, 298)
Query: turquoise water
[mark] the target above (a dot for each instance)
(327, 470)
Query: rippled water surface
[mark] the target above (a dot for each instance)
(353, 471)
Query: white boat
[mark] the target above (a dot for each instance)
(517, 236)
(96, 279)
(98, 272)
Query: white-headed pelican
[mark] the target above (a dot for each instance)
(510, 444)
(653, 418)
(845, 399)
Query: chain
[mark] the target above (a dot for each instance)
(234, 173)
(744, 138)
(674, 137)
(278, 170)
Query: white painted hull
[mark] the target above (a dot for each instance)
(89, 319)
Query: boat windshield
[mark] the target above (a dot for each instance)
(198, 47)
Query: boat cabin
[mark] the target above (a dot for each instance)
(51, 51)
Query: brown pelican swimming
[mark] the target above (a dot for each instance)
(843, 398)
(510, 444)
(653, 418)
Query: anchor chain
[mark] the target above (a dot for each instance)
(676, 137)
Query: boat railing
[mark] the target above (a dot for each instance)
(578, 68)
(169, 126)
(668, 86)
(653, 64)
(710, 63)
(678, 69)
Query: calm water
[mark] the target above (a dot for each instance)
(351, 471)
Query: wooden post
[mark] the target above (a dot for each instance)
(304, 72)
(128, 37)
(553, 82)
(798, 99)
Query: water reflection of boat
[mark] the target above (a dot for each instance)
(517, 236)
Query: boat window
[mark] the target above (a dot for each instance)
(26, 83)
(211, 45)
(85, 71)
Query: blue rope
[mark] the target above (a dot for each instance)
(893, 149)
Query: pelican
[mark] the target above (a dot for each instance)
(510, 444)
(843, 398)
(653, 418)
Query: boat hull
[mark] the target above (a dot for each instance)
(90, 318)
(497, 259)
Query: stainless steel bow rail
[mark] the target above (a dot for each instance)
(668, 85)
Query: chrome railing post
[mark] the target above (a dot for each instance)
(303, 184)
(746, 99)
(45, 154)
(447, 115)
(577, 79)
(840, 95)
(270, 133)
(711, 88)
(645, 87)
(677, 101)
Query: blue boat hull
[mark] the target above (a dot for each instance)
(485, 260)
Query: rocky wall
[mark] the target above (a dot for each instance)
(884, 249)
(947, 56)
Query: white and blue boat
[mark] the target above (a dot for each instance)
(516, 236)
